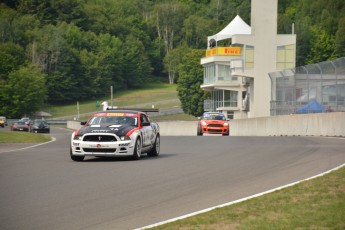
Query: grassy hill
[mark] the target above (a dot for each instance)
(159, 95)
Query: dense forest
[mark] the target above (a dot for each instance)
(61, 51)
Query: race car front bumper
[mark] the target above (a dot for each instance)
(215, 130)
(113, 148)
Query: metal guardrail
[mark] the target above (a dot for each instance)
(57, 122)
(315, 88)
(50, 122)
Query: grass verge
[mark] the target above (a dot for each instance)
(152, 93)
(22, 137)
(313, 204)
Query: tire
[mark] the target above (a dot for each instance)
(226, 134)
(199, 132)
(137, 149)
(76, 158)
(154, 152)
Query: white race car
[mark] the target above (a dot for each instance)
(115, 133)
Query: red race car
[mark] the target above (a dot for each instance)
(213, 123)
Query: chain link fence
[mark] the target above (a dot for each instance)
(315, 88)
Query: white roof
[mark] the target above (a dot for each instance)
(236, 26)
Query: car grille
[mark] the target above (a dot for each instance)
(215, 125)
(214, 131)
(90, 150)
(99, 138)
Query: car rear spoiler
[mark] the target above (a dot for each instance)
(135, 109)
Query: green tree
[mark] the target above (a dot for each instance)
(23, 93)
(52, 12)
(316, 23)
(223, 11)
(83, 67)
(137, 69)
(110, 62)
(168, 18)
(92, 81)
(196, 29)
(14, 26)
(188, 85)
(11, 58)
(303, 38)
(340, 39)
(156, 55)
(322, 46)
(47, 48)
(118, 18)
(172, 61)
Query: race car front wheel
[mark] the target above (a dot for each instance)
(199, 131)
(137, 149)
(76, 158)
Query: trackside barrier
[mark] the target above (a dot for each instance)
(73, 125)
(178, 128)
(167, 128)
(317, 124)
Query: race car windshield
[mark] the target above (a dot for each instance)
(113, 120)
(220, 117)
(39, 122)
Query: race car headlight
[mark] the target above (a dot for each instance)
(203, 123)
(226, 124)
(125, 138)
(77, 138)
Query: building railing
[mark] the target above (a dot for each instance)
(211, 106)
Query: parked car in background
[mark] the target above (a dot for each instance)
(213, 123)
(3, 121)
(20, 126)
(39, 126)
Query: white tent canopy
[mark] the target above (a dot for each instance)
(236, 26)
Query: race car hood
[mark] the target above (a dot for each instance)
(115, 129)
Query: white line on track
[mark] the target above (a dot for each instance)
(237, 201)
(31, 146)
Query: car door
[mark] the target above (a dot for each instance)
(146, 130)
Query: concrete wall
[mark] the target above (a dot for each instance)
(73, 125)
(320, 124)
(178, 128)
(167, 128)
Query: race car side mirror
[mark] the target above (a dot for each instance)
(83, 122)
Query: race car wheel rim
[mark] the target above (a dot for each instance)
(157, 144)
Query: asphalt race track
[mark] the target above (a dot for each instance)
(41, 188)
